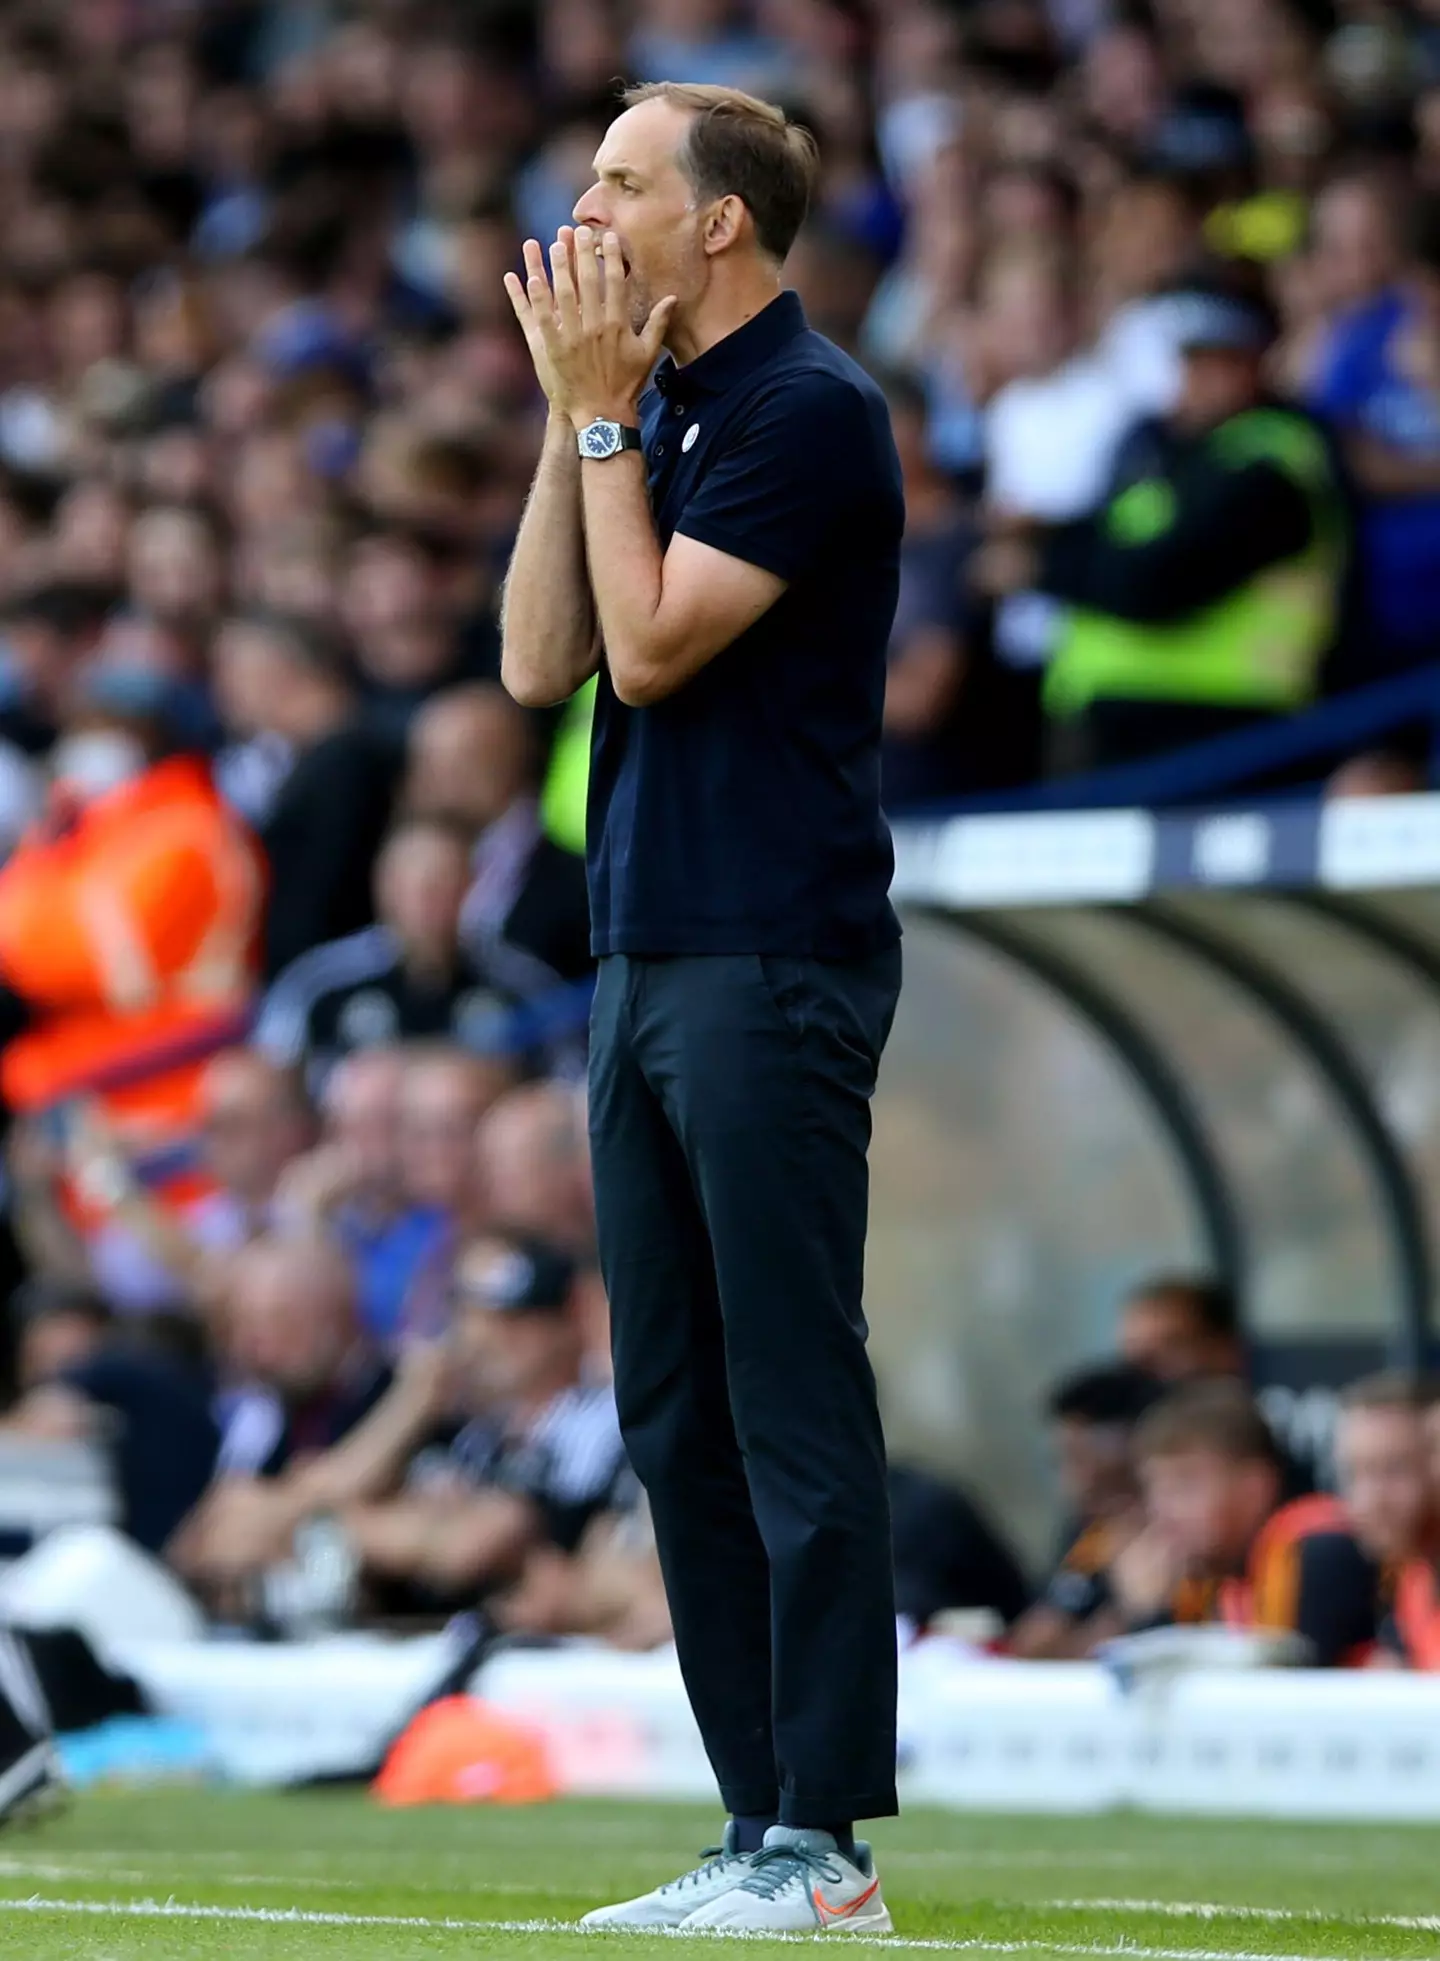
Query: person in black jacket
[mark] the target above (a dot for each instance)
(474, 756)
(330, 773)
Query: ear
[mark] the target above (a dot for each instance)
(724, 224)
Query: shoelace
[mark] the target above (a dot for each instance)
(778, 1866)
(708, 1859)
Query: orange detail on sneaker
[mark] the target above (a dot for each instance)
(828, 1913)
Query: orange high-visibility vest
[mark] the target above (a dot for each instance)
(132, 937)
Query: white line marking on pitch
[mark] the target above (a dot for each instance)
(296, 1916)
(1417, 1923)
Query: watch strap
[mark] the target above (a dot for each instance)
(629, 438)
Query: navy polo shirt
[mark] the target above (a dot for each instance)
(742, 813)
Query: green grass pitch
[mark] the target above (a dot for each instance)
(181, 1874)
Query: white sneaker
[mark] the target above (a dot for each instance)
(672, 1904)
(801, 1883)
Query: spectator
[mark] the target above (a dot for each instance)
(80, 1381)
(949, 1558)
(534, 1166)
(50, 632)
(1052, 429)
(1092, 1417)
(306, 1378)
(1394, 1507)
(404, 979)
(352, 1187)
(444, 1096)
(407, 641)
(314, 777)
(1207, 592)
(1219, 1545)
(1177, 1327)
(128, 923)
(540, 1456)
(254, 1119)
(474, 759)
(1379, 380)
(1378, 773)
(930, 656)
(610, 1588)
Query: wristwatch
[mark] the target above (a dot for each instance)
(601, 439)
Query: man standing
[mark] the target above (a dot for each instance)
(725, 554)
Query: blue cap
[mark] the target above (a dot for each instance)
(1201, 319)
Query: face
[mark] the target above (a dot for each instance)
(88, 321)
(174, 566)
(468, 759)
(291, 1323)
(1097, 1475)
(176, 465)
(270, 484)
(362, 1115)
(1028, 318)
(1356, 253)
(506, 1357)
(534, 1166)
(388, 586)
(1163, 1334)
(643, 195)
(291, 576)
(1124, 82)
(1018, 204)
(252, 1125)
(420, 882)
(1207, 1507)
(1382, 1460)
(51, 1344)
(252, 679)
(92, 528)
(441, 1102)
(1144, 239)
(1216, 383)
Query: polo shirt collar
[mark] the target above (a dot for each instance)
(738, 354)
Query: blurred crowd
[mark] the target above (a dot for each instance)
(1186, 1507)
(293, 932)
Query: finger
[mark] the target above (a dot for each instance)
(616, 312)
(528, 315)
(535, 263)
(587, 277)
(519, 299)
(652, 337)
(567, 309)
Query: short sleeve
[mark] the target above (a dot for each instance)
(800, 463)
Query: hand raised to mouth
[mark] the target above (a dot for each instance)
(589, 359)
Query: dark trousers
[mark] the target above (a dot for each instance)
(730, 1119)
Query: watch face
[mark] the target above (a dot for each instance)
(600, 439)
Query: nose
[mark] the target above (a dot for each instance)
(590, 208)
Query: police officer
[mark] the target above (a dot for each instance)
(1207, 590)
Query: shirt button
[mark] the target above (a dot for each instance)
(679, 408)
(659, 449)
